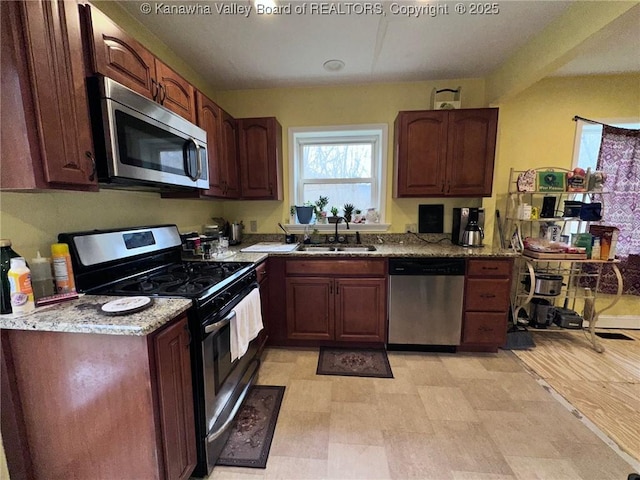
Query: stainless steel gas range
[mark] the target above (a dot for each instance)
(147, 261)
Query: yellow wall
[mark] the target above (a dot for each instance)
(33, 220)
(341, 105)
(536, 129)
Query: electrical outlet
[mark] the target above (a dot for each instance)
(411, 227)
(253, 226)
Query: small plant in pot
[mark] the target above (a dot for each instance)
(305, 212)
(348, 211)
(334, 218)
(321, 215)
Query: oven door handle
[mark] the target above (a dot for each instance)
(225, 426)
(214, 327)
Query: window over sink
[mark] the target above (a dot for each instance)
(345, 163)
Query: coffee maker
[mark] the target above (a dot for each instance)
(468, 227)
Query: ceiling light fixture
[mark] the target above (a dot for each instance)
(333, 65)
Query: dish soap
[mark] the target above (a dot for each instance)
(20, 285)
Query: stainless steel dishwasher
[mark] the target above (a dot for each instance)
(425, 301)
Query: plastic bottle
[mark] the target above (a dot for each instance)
(20, 285)
(62, 268)
(6, 254)
(41, 278)
(595, 250)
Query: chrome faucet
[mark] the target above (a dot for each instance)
(335, 238)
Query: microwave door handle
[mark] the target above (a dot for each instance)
(186, 160)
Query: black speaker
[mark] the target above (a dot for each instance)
(548, 207)
(430, 218)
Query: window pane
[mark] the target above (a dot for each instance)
(337, 161)
(359, 194)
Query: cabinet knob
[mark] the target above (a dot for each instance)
(90, 156)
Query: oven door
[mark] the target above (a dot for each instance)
(226, 384)
(146, 142)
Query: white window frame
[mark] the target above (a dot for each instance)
(376, 134)
(580, 124)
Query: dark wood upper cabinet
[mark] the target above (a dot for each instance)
(175, 93)
(441, 153)
(46, 133)
(115, 54)
(260, 155)
(229, 163)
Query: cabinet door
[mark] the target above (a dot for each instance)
(229, 157)
(175, 399)
(263, 280)
(210, 119)
(420, 153)
(360, 309)
(45, 116)
(117, 55)
(471, 151)
(310, 304)
(175, 93)
(260, 149)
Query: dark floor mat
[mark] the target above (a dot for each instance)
(354, 362)
(252, 430)
(613, 336)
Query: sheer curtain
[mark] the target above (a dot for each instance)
(619, 158)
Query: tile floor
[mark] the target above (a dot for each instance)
(458, 417)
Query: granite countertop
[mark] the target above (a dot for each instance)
(84, 316)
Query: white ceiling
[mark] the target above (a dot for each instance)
(264, 51)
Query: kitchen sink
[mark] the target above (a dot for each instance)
(356, 248)
(339, 248)
(316, 248)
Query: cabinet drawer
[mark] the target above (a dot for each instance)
(489, 268)
(487, 295)
(485, 328)
(352, 268)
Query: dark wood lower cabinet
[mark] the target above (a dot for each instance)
(100, 406)
(336, 301)
(486, 308)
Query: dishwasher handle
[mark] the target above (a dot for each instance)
(427, 266)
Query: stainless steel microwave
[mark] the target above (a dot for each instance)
(141, 143)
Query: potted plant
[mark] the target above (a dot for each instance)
(321, 215)
(348, 211)
(334, 218)
(305, 212)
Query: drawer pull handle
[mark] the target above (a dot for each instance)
(490, 268)
(487, 295)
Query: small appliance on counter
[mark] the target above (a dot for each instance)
(235, 233)
(468, 227)
(216, 229)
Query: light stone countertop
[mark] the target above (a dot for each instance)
(84, 316)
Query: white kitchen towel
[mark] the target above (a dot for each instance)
(247, 323)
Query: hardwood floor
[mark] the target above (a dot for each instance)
(443, 416)
(604, 387)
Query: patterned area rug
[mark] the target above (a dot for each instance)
(252, 430)
(353, 362)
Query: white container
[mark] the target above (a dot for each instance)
(20, 286)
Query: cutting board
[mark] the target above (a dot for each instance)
(266, 247)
